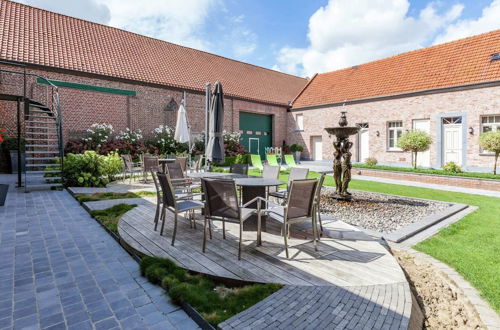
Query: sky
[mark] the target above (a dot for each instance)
(300, 37)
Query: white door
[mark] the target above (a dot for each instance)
(364, 144)
(452, 144)
(423, 158)
(317, 146)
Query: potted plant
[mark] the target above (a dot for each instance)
(297, 150)
(3, 187)
(10, 144)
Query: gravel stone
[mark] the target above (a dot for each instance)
(379, 212)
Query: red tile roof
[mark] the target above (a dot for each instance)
(36, 36)
(460, 62)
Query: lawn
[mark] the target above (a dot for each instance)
(471, 246)
(112, 195)
(109, 217)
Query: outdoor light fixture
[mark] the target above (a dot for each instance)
(471, 130)
(377, 133)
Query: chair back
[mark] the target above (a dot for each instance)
(290, 161)
(320, 185)
(271, 172)
(272, 159)
(256, 161)
(297, 173)
(175, 171)
(183, 162)
(239, 169)
(168, 193)
(151, 163)
(221, 199)
(157, 185)
(301, 198)
(127, 162)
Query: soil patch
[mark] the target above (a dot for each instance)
(443, 303)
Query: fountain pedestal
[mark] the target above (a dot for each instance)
(342, 164)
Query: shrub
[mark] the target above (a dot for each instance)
(414, 141)
(371, 161)
(98, 134)
(490, 141)
(163, 140)
(452, 167)
(242, 159)
(130, 136)
(2, 131)
(90, 169)
(123, 147)
(232, 145)
(296, 147)
(10, 143)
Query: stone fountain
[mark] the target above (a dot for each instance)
(342, 156)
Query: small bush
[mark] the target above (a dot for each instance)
(10, 143)
(90, 169)
(242, 159)
(215, 302)
(371, 161)
(490, 141)
(415, 141)
(296, 148)
(452, 167)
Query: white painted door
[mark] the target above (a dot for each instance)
(364, 144)
(423, 158)
(317, 146)
(452, 144)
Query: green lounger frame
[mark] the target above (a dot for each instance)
(257, 162)
(290, 161)
(272, 160)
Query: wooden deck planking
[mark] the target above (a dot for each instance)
(341, 261)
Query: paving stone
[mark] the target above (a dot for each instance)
(60, 269)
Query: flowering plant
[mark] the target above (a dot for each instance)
(98, 134)
(2, 130)
(163, 139)
(130, 136)
(232, 145)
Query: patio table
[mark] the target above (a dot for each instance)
(251, 187)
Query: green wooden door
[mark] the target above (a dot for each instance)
(257, 132)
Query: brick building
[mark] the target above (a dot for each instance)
(451, 90)
(107, 75)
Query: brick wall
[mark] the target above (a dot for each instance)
(145, 111)
(434, 179)
(475, 103)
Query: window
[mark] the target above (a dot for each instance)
(299, 119)
(488, 124)
(395, 129)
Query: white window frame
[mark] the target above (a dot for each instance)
(391, 127)
(493, 123)
(299, 122)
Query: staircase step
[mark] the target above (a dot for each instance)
(31, 116)
(40, 158)
(41, 127)
(48, 111)
(41, 133)
(40, 165)
(42, 152)
(43, 172)
(52, 121)
(40, 139)
(42, 146)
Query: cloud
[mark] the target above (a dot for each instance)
(349, 32)
(89, 10)
(489, 20)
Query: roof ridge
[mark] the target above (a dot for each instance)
(145, 36)
(412, 51)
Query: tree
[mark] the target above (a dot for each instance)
(490, 141)
(415, 141)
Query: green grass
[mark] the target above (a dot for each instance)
(212, 300)
(110, 216)
(112, 195)
(478, 175)
(471, 246)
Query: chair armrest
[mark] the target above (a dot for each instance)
(189, 196)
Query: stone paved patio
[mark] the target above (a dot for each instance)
(60, 269)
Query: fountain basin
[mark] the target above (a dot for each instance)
(342, 132)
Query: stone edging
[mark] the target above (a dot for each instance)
(448, 180)
(487, 315)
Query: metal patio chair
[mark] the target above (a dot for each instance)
(178, 178)
(183, 162)
(299, 207)
(129, 167)
(221, 203)
(239, 169)
(150, 164)
(176, 205)
(296, 173)
(317, 201)
(271, 172)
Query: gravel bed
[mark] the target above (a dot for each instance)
(378, 212)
